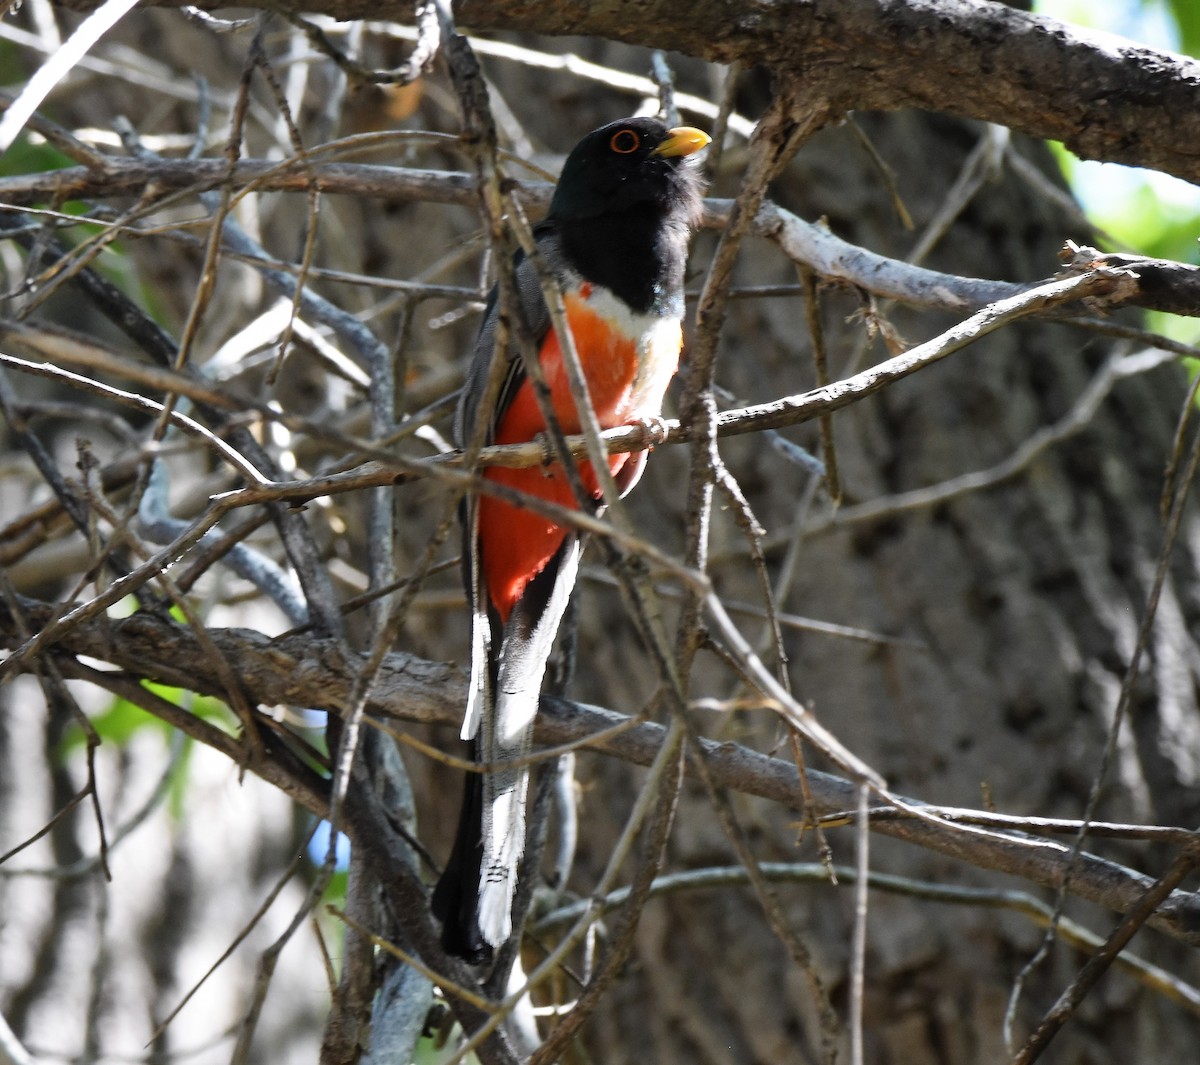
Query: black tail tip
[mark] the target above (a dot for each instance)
(457, 907)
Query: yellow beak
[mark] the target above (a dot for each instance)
(682, 140)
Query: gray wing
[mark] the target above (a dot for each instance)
(533, 309)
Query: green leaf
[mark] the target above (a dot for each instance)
(124, 719)
(26, 157)
(116, 725)
(335, 891)
(1186, 14)
(178, 780)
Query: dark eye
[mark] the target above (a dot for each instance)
(625, 142)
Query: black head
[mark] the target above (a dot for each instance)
(627, 200)
(631, 165)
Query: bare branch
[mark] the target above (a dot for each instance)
(307, 671)
(1029, 906)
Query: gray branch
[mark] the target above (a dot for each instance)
(302, 669)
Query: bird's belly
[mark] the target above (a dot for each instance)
(627, 360)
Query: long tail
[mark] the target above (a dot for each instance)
(456, 897)
(474, 897)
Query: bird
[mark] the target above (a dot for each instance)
(615, 240)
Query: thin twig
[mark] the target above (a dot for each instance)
(1100, 961)
(620, 941)
(1029, 906)
(816, 332)
(282, 882)
(1079, 417)
(59, 65)
(1120, 711)
(133, 399)
(858, 946)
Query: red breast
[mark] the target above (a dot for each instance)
(627, 360)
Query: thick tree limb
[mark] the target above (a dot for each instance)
(1103, 96)
(304, 670)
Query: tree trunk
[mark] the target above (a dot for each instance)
(1015, 611)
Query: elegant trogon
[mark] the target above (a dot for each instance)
(616, 241)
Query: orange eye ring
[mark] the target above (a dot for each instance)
(625, 142)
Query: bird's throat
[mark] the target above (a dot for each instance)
(637, 255)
